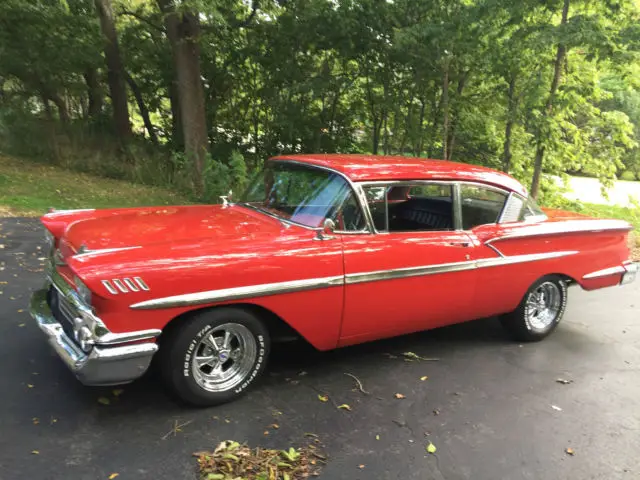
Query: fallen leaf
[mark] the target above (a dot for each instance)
(226, 420)
(360, 467)
(117, 392)
(563, 381)
(377, 437)
(104, 401)
(266, 432)
(113, 475)
(275, 426)
(436, 411)
(35, 452)
(344, 406)
(431, 448)
(302, 374)
(555, 407)
(35, 420)
(21, 325)
(323, 398)
(399, 396)
(423, 378)
(21, 310)
(570, 451)
(53, 420)
(29, 385)
(276, 413)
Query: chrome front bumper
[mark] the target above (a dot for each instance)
(629, 275)
(103, 365)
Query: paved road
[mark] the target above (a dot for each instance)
(589, 190)
(494, 400)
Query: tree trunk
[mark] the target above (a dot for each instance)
(115, 71)
(144, 111)
(94, 92)
(557, 73)
(59, 102)
(511, 116)
(183, 31)
(177, 137)
(445, 110)
(47, 107)
(420, 143)
(454, 123)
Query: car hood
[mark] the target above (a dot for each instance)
(147, 226)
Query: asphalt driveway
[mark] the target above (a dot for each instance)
(493, 408)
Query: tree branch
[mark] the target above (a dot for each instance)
(124, 11)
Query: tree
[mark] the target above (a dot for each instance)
(183, 33)
(115, 70)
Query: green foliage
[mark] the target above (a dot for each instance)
(327, 76)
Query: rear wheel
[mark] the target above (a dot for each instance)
(539, 312)
(215, 356)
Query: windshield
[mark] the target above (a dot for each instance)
(304, 195)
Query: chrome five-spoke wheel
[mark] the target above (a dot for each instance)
(542, 305)
(540, 310)
(224, 357)
(215, 355)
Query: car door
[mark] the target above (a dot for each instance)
(415, 272)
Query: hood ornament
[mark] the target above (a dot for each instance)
(226, 199)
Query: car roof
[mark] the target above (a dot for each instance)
(366, 168)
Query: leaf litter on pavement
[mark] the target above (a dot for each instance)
(232, 460)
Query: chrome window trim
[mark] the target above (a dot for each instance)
(504, 208)
(531, 219)
(457, 199)
(351, 184)
(250, 291)
(395, 183)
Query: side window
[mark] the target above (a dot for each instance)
(411, 208)
(519, 209)
(530, 211)
(480, 205)
(348, 215)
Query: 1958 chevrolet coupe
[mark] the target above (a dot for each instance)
(336, 249)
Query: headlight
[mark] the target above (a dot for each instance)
(83, 290)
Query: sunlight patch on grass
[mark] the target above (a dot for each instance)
(30, 189)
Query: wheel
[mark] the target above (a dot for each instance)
(215, 356)
(539, 312)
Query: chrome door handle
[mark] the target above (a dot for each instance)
(460, 244)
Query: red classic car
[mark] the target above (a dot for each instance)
(336, 249)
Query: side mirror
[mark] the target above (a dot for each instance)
(326, 231)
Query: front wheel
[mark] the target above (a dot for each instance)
(540, 310)
(214, 356)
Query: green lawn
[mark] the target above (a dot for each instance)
(630, 214)
(30, 189)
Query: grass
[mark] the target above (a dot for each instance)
(30, 189)
(630, 214)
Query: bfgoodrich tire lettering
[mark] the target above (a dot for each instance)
(214, 356)
(540, 310)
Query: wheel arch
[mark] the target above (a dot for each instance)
(279, 329)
